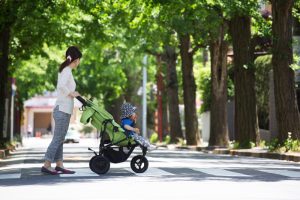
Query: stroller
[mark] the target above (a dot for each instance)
(115, 144)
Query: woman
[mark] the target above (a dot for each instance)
(62, 112)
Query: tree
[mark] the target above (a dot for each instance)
(25, 27)
(148, 28)
(189, 90)
(287, 114)
(184, 17)
(172, 91)
(218, 124)
(7, 19)
(245, 122)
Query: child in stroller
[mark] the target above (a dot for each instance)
(128, 119)
(116, 145)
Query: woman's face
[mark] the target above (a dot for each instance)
(77, 62)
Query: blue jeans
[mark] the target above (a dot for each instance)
(55, 149)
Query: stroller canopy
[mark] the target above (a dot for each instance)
(98, 116)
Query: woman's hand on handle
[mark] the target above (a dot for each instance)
(74, 94)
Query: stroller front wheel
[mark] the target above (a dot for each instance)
(99, 164)
(139, 164)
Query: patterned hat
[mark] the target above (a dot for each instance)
(127, 110)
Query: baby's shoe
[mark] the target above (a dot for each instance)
(151, 147)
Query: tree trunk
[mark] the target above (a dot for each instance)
(4, 52)
(189, 92)
(287, 114)
(218, 119)
(245, 122)
(172, 94)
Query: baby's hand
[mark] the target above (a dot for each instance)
(137, 130)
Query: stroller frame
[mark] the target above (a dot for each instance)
(103, 147)
(110, 152)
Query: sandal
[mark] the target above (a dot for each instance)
(48, 171)
(64, 171)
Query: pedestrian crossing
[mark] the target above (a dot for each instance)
(161, 172)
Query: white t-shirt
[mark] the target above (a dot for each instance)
(65, 85)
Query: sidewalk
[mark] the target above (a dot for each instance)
(4, 153)
(260, 153)
(254, 152)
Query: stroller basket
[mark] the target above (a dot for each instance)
(115, 144)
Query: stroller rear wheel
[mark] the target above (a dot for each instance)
(139, 164)
(99, 164)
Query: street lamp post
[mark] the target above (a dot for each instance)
(144, 130)
(13, 92)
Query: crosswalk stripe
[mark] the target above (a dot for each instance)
(152, 172)
(220, 172)
(80, 173)
(287, 173)
(10, 176)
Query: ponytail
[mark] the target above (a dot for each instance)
(64, 64)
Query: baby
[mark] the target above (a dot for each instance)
(128, 118)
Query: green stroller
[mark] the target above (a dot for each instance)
(115, 144)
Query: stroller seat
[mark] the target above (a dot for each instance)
(101, 120)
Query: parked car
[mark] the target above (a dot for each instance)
(72, 136)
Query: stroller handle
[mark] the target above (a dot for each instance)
(82, 100)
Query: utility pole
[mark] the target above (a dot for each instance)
(144, 130)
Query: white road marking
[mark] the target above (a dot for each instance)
(86, 172)
(152, 172)
(287, 173)
(10, 176)
(220, 172)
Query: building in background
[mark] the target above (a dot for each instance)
(38, 118)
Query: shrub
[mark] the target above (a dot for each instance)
(263, 66)
(236, 145)
(167, 139)
(262, 143)
(273, 145)
(154, 138)
(205, 87)
(288, 145)
(181, 142)
(243, 145)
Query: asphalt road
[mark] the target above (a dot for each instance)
(171, 175)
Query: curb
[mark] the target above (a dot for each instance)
(270, 155)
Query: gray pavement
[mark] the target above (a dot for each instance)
(178, 174)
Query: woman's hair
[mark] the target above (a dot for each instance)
(72, 54)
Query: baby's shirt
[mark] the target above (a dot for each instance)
(129, 122)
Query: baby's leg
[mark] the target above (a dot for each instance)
(144, 142)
